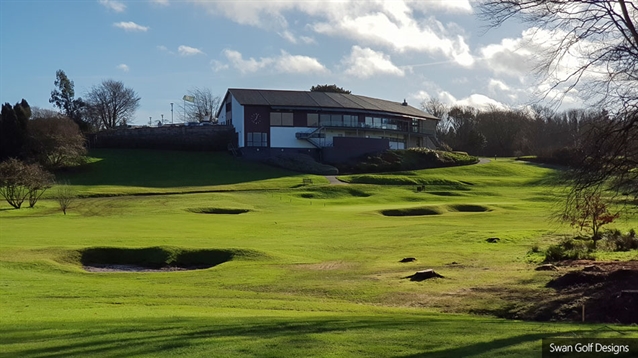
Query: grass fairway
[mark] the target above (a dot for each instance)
(305, 270)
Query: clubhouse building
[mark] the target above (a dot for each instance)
(329, 126)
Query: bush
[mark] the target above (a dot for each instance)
(569, 249)
(617, 241)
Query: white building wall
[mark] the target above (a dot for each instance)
(222, 114)
(284, 137)
(238, 121)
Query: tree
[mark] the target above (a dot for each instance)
(13, 129)
(601, 38)
(589, 211)
(19, 181)
(63, 97)
(203, 107)
(55, 142)
(110, 104)
(328, 88)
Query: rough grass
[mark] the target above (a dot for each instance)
(308, 277)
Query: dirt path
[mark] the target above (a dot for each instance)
(334, 181)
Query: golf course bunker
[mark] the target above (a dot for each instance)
(223, 211)
(419, 211)
(469, 208)
(151, 259)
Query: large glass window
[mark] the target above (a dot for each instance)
(257, 139)
(336, 120)
(281, 119)
(324, 120)
(350, 121)
(313, 119)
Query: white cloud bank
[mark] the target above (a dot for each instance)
(284, 63)
(400, 25)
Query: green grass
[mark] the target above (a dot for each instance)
(307, 271)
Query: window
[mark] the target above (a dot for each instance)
(281, 119)
(324, 120)
(350, 121)
(257, 139)
(336, 120)
(286, 119)
(313, 120)
(275, 119)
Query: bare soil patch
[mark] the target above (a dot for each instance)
(608, 290)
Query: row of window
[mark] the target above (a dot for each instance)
(285, 119)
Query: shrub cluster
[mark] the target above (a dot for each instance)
(406, 159)
(581, 248)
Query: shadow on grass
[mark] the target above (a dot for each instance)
(163, 169)
(266, 336)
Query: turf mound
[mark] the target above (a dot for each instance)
(226, 211)
(469, 208)
(402, 179)
(333, 192)
(152, 258)
(420, 211)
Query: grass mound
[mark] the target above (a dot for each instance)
(418, 211)
(301, 163)
(333, 192)
(227, 211)
(469, 208)
(401, 179)
(155, 257)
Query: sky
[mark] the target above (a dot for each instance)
(392, 49)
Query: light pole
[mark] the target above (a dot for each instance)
(171, 112)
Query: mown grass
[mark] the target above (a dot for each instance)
(315, 269)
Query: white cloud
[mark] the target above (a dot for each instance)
(307, 40)
(130, 26)
(285, 63)
(123, 67)
(113, 5)
(218, 65)
(189, 51)
(496, 85)
(160, 2)
(401, 25)
(365, 62)
(475, 100)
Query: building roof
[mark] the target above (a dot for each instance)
(323, 100)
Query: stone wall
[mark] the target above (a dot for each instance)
(204, 138)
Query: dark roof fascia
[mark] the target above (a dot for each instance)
(219, 110)
(348, 110)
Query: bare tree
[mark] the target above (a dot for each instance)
(203, 107)
(601, 38)
(65, 195)
(110, 104)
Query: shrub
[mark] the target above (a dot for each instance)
(617, 241)
(569, 249)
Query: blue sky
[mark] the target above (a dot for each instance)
(390, 49)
